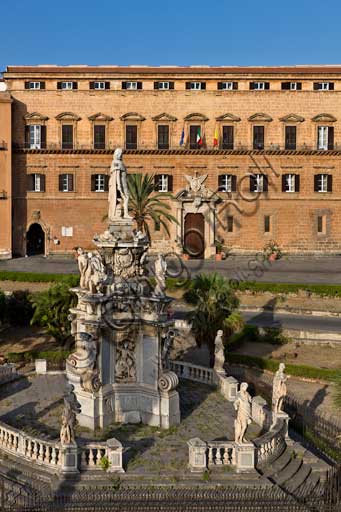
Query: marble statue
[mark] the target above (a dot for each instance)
(242, 405)
(125, 369)
(160, 267)
(83, 362)
(67, 432)
(82, 265)
(97, 272)
(219, 356)
(118, 183)
(279, 389)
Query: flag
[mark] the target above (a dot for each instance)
(199, 139)
(216, 137)
(182, 138)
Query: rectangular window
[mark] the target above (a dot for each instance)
(227, 86)
(290, 183)
(267, 223)
(66, 182)
(67, 85)
(227, 183)
(228, 137)
(34, 85)
(67, 231)
(100, 86)
(196, 86)
(325, 137)
(229, 224)
(323, 183)
(258, 183)
(291, 86)
(290, 137)
(99, 136)
(163, 136)
(322, 224)
(131, 136)
(259, 86)
(163, 183)
(131, 86)
(163, 85)
(35, 136)
(36, 182)
(323, 86)
(258, 137)
(100, 183)
(194, 130)
(67, 136)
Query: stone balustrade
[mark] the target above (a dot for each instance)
(221, 453)
(272, 444)
(91, 455)
(192, 372)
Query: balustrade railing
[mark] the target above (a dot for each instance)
(92, 454)
(192, 372)
(272, 444)
(221, 453)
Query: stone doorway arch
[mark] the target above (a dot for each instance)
(35, 240)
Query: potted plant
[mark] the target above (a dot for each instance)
(219, 247)
(272, 251)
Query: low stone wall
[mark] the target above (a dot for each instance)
(8, 373)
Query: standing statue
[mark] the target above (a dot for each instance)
(82, 265)
(67, 433)
(279, 389)
(219, 356)
(118, 183)
(242, 405)
(160, 267)
(97, 272)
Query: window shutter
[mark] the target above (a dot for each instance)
(170, 183)
(92, 85)
(235, 86)
(42, 183)
(265, 183)
(330, 183)
(316, 86)
(59, 85)
(60, 186)
(188, 85)
(285, 86)
(70, 182)
(284, 182)
(252, 86)
(221, 182)
(27, 85)
(124, 85)
(139, 85)
(30, 182)
(42, 85)
(107, 85)
(74, 85)
(330, 137)
(297, 182)
(157, 182)
(267, 86)
(203, 86)
(171, 85)
(316, 185)
(252, 183)
(43, 137)
(299, 86)
(106, 183)
(220, 86)
(156, 85)
(27, 136)
(331, 86)
(93, 182)
(234, 183)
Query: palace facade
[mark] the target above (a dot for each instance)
(250, 154)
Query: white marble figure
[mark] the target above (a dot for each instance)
(94, 273)
(279, 389)
(242, 405)
(83, 263)
(160, 268)
(118, 183)
(219, 356)
(67, 434)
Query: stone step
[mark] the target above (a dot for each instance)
(279, 464)
(312, 481)
(299, 479)
(27, 473)
(288, 472)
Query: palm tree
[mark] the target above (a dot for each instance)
(214, 301)
(145, 205)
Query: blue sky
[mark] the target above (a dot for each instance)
(219, 32)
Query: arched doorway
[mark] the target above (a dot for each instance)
(194, 235)
(35, 240)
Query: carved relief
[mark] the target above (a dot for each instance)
(83, 362)
(125, 365)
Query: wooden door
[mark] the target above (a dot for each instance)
(194, 235)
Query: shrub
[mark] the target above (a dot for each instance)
(104, 463)
(51, 310)
(51, 356)
(2, 306)
(273, 335)
(323, 290)
(34, 277)
(19, 310)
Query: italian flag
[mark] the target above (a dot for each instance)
(199, 139)
(216, 137)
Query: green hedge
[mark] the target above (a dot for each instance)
(32, 355)
(308, 372)
(323, 290)
(34, 277)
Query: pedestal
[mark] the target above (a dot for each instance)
(245, 457)
(69, 454)
(197, 455)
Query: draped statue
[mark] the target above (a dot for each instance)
(118, 183)
(243, 407)
(279, 389)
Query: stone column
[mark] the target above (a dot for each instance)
(115, 456)
(69, 457)
(197, 455)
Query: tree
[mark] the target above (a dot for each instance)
(51, 310)
(146, 205)
(214, 301)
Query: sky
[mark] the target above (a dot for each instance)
(176, 32)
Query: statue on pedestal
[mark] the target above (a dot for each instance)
(160, 276)
(243, 407)
(82, 265)
(219, 355)
(118, 183)
(279, 389)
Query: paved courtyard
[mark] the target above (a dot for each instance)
(35, 403)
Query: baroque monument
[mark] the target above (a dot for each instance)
(122, 325)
